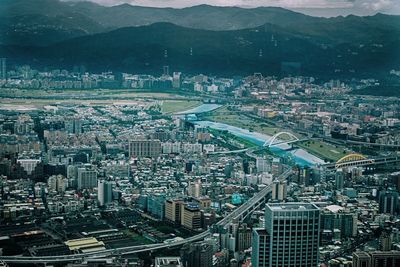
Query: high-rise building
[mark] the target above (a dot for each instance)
(166, 70)
(176, 80)
(262, 165)
(3, 68)
(290, 237)
(243, 237)
(276, 167)
(194, 189)
(385, 241)
(156, 205)
(339, 179)
(361, 259)
(73, 125)
(168, 262)
(335, 218)
(191, 216)
(57, 183)
(376, 259)
(104, 192)
(198, 254)
(144, 148)
(279, 190)
(173, 210)
(388, 201)
(87, 178)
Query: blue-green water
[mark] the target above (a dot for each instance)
(300, 156)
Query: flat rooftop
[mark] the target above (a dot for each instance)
(299, 206)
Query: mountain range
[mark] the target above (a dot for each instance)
(208, 39)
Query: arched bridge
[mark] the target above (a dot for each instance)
(352, 160)
(292, 139)
(358, 160)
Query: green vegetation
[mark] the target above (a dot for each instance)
(323, 150)
(318, 148)
(234, 118)
(136, 237)
(173, 106)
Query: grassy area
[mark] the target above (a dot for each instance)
(173, 106)
(323, 150)
(234, 118)
(237, 119)
(136, 237)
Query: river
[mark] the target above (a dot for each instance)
(300, 156)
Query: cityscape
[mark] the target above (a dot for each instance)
(168, 166)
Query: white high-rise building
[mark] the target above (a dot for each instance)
(290, 237)
(87, 178)
(279, 190)
(262, 165)
(104, 192)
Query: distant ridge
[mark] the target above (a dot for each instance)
(225, 40)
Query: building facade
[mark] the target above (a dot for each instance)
(290, 236)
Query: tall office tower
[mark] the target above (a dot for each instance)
(87, 178)
(72, 175)
(57, 183)
(276, 167)
(290, 237)
(166, 70)
(3, 68)
(191, 216)
(176, 80)
(198, 254)
(279, 190)
(388, 201)
(243, 237)
(144, 148)
(361, 259)
(262, 165)
(194, 189)
(173, 210)
(385, 241)
(167, 262)
(376, 259)
(104, 192)
(339, 179)
(73, 125)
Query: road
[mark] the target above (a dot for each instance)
(143, 248)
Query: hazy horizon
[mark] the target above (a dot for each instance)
(321, 8)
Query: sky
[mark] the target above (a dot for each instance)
(311, 7)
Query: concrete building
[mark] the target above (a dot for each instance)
(3, 68)
(168, 262)
(144, 148)
(376, 259)
(290, 237)
(197, 255)
(87, 178)
(57, 183)
(104, 192)
(173, 210)
(262, 165)
(279, 190)
(191, 216)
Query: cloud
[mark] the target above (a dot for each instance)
(378, 5)
(357, 6)
(253, 3)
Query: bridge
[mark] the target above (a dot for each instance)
(358, 160)
(269, 143)
(239, 213)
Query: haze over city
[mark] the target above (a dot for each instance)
(200, 133)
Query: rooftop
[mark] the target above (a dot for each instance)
(291, 206)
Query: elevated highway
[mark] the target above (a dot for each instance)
(239, 213)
